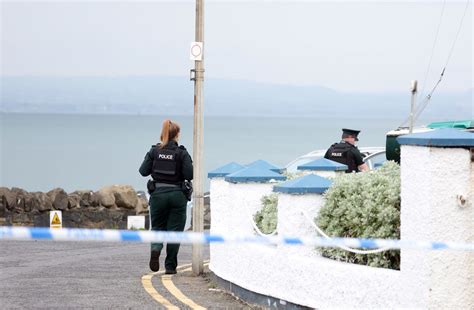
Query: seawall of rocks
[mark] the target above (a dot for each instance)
(105, 208)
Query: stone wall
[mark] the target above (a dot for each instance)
(106, 208)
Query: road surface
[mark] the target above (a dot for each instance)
(48, 274)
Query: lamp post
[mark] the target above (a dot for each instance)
(198, 198)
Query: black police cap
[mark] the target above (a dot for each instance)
(350, 132)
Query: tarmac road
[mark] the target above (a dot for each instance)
(47, 274)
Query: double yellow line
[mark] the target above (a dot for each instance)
(169, 285)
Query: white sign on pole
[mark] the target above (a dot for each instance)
(196, 51)
(136, 222)
(55, 219)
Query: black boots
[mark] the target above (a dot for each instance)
(155, 260)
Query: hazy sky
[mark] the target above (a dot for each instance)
(350, 46)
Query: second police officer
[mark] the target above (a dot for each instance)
(169, 166)
(345, 152)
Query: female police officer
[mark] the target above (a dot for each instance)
(169, 165)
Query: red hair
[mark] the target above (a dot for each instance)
(169, 132)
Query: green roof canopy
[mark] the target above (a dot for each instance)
(452, 124)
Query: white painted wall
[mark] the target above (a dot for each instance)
(431, 179)
(232, 208)
(310, 281)
(219, 193)
(323, 173)
(299, 274)
(291, 221)
(241, 203)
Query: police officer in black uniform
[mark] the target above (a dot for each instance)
(345, 152)
(169, 166)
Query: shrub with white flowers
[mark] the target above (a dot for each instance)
(364, 205)
(266, 219)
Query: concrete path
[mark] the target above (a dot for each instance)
(47, 274)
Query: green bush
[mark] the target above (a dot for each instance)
(292, 175)
(364, 205)
(267, 218)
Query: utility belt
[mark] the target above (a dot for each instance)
(151, 185)
(186, 187)
(159, 184)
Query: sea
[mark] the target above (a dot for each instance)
(40, 152)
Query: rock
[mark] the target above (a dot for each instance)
(8, 197)
(142, 206)
(74, 201)
(28, 203)
(142, 194)
(42, 202)
(41, 220)
(207, 211)
(207, 199)
(207, 217)
(22, 218)
(59, 198)
(106, 196)
(125, 195)
(20, 198)
(111, 205)
(32, 203)
(87, 198)
(95, 202)
(74, 217)
(3, 207)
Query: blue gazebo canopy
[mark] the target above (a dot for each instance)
(323, 164)
(225, 170)
(254, 174)
(443, 137)
(310, 183)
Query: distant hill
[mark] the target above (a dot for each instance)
(174, 96)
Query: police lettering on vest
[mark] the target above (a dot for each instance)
(164, 156)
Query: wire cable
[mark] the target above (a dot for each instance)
(433, 48)
(457, 34)
(352, 250)
(258, 231)
(421, 106)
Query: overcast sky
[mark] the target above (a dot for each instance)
(360, 46)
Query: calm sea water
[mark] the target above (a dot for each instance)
(39, 152)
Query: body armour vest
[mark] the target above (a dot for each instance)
(340, 152)
(167, 165)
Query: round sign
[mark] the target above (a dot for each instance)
(196, 50)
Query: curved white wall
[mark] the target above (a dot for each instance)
(291, 221)
(431, 179)
(297, 274)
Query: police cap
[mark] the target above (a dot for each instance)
(350, 132)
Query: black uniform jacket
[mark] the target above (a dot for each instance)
(186, 163)
(347, 154)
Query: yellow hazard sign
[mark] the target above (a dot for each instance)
(55, 219)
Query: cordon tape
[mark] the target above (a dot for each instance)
(108, 235)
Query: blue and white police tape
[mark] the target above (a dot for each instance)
(108, 235)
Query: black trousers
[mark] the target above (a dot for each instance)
(168, 213)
